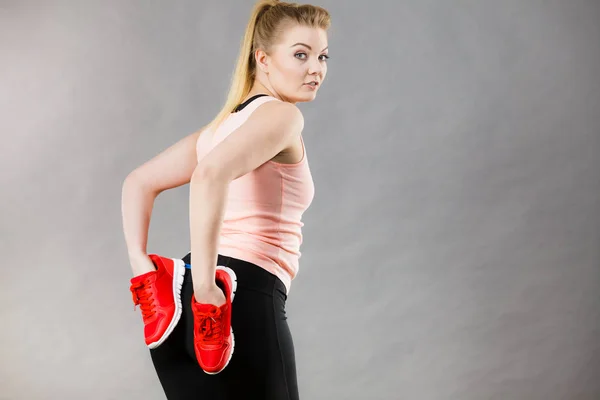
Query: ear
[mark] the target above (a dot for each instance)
(262, 60)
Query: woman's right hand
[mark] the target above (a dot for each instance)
(141, 264)
(209, 295)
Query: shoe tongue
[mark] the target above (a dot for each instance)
(140, 278)
(205, 308)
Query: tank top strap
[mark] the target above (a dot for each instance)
(238, 117)
(254, 104)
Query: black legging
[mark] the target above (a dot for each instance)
(263, 365)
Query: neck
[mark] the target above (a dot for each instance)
(261, 88)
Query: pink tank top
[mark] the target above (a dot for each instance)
(263, 214)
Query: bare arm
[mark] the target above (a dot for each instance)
(171, 168)
(268, 131)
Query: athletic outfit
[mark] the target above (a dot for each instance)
(260, 242)
(262, 222)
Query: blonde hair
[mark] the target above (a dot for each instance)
(268, 21)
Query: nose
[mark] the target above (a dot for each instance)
(315, 68)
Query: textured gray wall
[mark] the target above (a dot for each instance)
(452, 249)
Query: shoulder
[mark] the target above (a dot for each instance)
(279, 114)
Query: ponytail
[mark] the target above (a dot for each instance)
(245, 69)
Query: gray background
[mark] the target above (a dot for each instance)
(451, 251)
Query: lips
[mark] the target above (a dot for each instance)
(312, 83)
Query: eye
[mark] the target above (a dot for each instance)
(325, 57)
(297, 54)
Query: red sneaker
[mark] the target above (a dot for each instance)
(158, 293)
(213, 336)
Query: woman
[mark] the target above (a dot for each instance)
(249, 186)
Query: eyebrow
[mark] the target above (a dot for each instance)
(305, 45)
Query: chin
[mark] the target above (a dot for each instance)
(305, 98)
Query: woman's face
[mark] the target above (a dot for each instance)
(298, 59)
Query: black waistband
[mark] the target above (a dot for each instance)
(249, 275)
